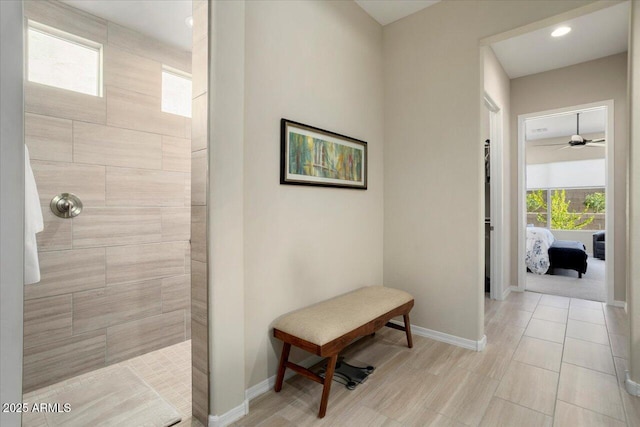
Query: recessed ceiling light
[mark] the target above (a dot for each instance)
(189, 21)
(561, 31)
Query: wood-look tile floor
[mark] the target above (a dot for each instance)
(167, 371)
(549, 361)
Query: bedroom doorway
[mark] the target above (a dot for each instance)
(566, 201)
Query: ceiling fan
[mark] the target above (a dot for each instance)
(578, 141)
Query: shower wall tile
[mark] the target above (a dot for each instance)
(132, 72)
(124, 263)
(112, 305)
(46, 364)
(85, 181)
(199, 392)
(147, 47)
(199, 351)
(199, 123)
(58, 15)
(46, 320)
(56, 234)
(142, 336)
(64, 272)
(199, 178)
(142, 262)
(176, 154)
(176, 293)
(133, 110)
(139, 187)
(199, 292)
(117, 226)
(175, 224)
(55, 102)
(199, 233)
(200, 58)
(111, 146)
(48, 138)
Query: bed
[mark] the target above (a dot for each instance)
(545, 253)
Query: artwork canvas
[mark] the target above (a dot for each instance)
(313, 156)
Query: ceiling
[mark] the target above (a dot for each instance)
(388, 11)
(593, 36)
(591, 121)
(163, 20)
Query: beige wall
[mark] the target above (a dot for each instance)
(496, 85)
(433, 233)
(120, 269)
(597, 80)
(318, 63)
(633, 280)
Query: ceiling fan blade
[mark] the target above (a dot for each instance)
(596, 140)
(596, 144)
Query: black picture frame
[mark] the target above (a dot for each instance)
(351, 167)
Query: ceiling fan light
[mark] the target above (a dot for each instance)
(576, 138)
(561, 31)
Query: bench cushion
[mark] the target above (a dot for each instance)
(324, 322)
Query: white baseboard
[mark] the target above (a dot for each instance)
(506, 292)
(449, 339)
(268, 384)
(633, 388)
(620, 304)
(230, 416)
(515, 289)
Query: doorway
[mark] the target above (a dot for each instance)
(565, 198)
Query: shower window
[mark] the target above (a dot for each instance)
(176, 92)
(63, 60)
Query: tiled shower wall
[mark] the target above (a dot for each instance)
(199, 160)
(116, 279)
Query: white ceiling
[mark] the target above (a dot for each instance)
(163, 20)
(593, 36)
(591, 121)
(388, 11)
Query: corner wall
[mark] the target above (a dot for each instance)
(598, 80)
(319, 63)
(433, 232)
(11, 207)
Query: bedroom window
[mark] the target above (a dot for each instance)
(63, 60)
(567, 208)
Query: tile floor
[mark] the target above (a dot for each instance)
(167, 371)
(549, 361)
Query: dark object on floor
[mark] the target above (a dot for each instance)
(569, 255)
(348, 375)
(598, 245)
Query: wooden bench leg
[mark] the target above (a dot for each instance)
(407, 328)
(328, 379)
(284, 358)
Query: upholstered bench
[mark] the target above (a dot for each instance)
(328, 327)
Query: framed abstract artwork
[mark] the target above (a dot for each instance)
(313, 156)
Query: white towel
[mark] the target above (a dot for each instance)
(33, 223)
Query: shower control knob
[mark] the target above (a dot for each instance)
(66, 205)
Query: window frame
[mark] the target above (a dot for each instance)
(179, 73)
(69, 38)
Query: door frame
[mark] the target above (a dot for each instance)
(609, 198)
(496, 212)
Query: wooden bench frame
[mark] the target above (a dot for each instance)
(331, 349)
